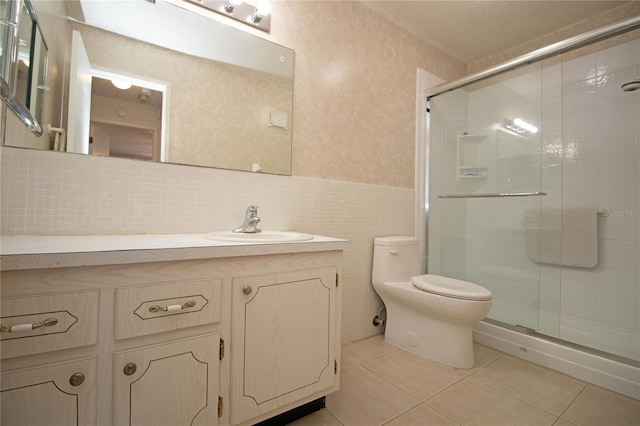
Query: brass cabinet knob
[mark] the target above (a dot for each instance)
(129, 369)
(76, 379)
(247, 290)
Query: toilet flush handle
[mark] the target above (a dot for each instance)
(394, 252)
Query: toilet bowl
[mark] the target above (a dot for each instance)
(429, 315)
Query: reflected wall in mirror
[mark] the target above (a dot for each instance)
(126, 120)
(218, 96)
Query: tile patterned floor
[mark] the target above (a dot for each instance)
(384, 385)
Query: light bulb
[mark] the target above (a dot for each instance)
(264, 8)
(121, 84)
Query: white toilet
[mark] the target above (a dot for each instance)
(429, 315)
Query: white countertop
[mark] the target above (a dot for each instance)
(38, 251)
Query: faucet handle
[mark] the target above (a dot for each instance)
(252, 211)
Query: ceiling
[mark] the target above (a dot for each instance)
(104, 87)
(472, 30)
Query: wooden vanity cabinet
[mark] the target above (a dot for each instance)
(229, 341)
(283, 339)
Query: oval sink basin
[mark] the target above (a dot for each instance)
(259, 237)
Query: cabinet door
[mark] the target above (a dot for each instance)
(283, 339)
(57, 394)
(171, 384)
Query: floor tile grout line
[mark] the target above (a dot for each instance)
(563, 420)
(613, 394)
(441, 413)
(461, 379)
(422, 401)
(586, 384)
(331, 414)
(584, 388)
(395, 349)
(402, 414)
(390, 382)
(504, 392)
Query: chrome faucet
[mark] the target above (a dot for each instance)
(251, 220)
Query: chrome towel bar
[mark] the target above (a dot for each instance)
(495, 194)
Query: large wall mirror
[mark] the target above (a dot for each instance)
(156, 81)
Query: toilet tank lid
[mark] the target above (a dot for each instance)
(396, 241)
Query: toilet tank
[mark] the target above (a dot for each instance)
(395, 259)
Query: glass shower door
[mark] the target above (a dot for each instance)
(487, 191)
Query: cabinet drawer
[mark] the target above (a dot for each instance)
(37, 324)
(163, 307)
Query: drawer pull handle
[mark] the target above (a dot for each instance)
(246, 290)
(172, 308)
(28, 327)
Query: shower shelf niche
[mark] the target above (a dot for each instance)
(473, 156)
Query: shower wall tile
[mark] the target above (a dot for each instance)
(576, 304)
(620, 283)
(617, 141)
(580, 171)
(618, 228)
(579, 69)
(581, 145)
(616, 112)
(618, 254)
(619, 197)
(579, 280)
(579, 111)
(616, 59)
(618, 169)
(616, 312)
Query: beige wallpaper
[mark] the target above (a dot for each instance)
(354, 90)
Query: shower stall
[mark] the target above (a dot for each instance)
(535, 193)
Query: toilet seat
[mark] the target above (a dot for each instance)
(450, 287)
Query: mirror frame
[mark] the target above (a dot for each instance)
(10, 67)
(9, 49)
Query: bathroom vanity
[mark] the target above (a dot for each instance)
(166, 329)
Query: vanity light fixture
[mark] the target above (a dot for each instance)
(258, 17)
